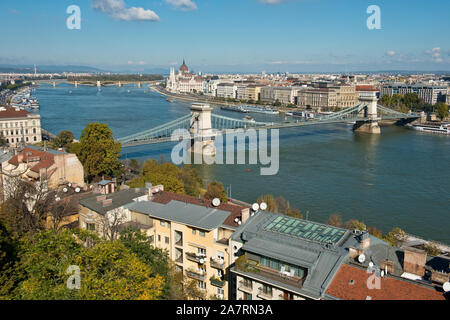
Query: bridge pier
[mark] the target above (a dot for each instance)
(76, 84)
(370, 113)
(201, 127)
(54, 84)
(120, 84)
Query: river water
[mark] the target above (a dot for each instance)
(397, 179)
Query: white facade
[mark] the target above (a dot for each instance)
(17, 126)
(227, 91)
(184, 82)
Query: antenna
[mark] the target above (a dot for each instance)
(255, 207)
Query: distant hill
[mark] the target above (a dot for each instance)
(48, 69)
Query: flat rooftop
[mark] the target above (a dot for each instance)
(303, 229)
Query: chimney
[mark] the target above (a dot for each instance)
(101, 198)
(245, 214)
(414, 261)
(365, 240)
(354, 252)
(387, 265)
(107, 202)
(439, 277)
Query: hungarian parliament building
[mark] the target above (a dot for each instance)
(184, 81)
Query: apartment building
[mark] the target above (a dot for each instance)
(316, 98)
(36, 164)
(227, 90)
(241, 92)
(429, 94)
(18, 125)
(196, 234)
(278, 257)
(346, 96)
(253, 92)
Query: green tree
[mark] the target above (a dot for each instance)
(386, 100)
(395, 237)
(412, 101)
(8, 259)
(285, 207)
(64, 139)
(442, 110)
(193, 183)
(432, 248)
(98, 151)
(216, 190)
(108, 270)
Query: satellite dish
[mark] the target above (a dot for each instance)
(69, 185)
(361, 258)
(236, 220)
(239, 222)
(202, 261)
(255, 207)
(263, 206)
(77, 190)
(371, 264)
(65, 190)
(216, 202)
(446, 287)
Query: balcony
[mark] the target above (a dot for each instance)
(245, 287)
(179, 259)
(248, 266)
(217, 282)
(217, 264)
(266, 295)
(197, 275)
(179, 243)
(195, 257)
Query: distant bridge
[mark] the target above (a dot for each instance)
(201, 123)
(94, 83)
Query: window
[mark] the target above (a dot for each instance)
(220, 255)
(163, 224)
(151, 239)
(202, 233)
(194, 232)
(201, 251)
(166, 240)
(220, 292)
(248, 283)
(90, 226)
(34, 138)
(267, 289)
(201, 285)
(159, 238)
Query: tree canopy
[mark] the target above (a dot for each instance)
(98, 151)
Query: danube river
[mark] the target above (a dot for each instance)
(397, 179)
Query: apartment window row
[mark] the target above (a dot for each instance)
(166, 239)
(12, 140)
(16, 132)
(282, 266)
(200, 232)
(164, 223)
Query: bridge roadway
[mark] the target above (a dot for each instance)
(262, 126)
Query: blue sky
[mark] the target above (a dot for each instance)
(229, 35)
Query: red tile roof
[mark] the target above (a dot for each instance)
(235, 210)
(391, 289)
(11, 112)
(46, 159)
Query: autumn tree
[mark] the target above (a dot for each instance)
(355, 225)
(396, 237)
(64, 139)
(193, 183)
(335, 220)
(269, 199)
(216, 190)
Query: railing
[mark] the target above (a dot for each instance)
(195, 258)
(267, 273)
(217, 264)
(195, 275)
(268, 295)
(246, 287)
(179, 242)
(179, 259)
(217, 282)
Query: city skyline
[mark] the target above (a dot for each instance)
(236, 36)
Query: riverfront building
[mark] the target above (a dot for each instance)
(184, 81)
(18, 126)
(278, 257)
(429, 94)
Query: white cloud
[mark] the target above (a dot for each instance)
(390, 53)
(139, 63)
(117, 9)
(435, 54)
(183, 4)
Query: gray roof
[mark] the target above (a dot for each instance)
(321, 259)
(49, 150)
(6, 156)
(119, 199)
(192, 215)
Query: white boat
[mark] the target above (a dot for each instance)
(249, 119)
(289, 114)
(430, 128)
